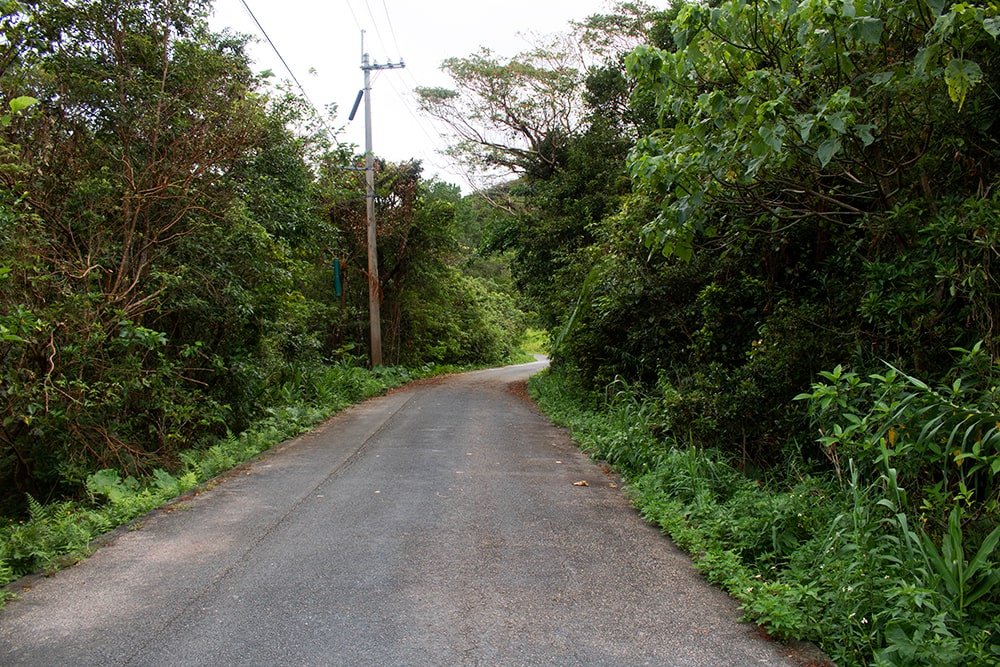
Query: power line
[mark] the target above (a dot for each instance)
(437, 138)
(375, 25)
(392, 31)
(420, 122)
(288, 69)
(353, 15)
(277, 53)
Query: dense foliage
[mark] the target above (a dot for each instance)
(171, 230)
(764, 249)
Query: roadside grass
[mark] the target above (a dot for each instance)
(837, 559)
(56, 534)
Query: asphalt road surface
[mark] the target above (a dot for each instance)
(438, 525)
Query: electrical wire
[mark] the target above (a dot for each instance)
(353, 15)
(277, 53)
(392, 31)
(378, 32)
(305, 95)
(438, 139)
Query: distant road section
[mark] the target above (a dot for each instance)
(443, 524)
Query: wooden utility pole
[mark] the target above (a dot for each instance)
(374, 286)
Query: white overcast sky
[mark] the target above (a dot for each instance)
(321, 43)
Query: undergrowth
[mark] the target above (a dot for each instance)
(885, 556)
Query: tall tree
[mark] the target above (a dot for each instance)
(510, 115)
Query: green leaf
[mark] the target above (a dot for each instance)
(867, 29)
(881, 78)
(827, 150)
(940, 563)
(805, 124)
(772, 136)
(21, 103)
(107, 483)
(961, 75)
(937, 6)
(754, 165)
(924, 60)
(838, 121)
(981, 561)
(865, 133)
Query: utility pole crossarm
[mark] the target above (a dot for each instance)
(367, 67)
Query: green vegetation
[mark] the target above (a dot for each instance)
(834, 559)
(536, 341)
(57, 532)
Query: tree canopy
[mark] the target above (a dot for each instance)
(792, 111)
(760, 233)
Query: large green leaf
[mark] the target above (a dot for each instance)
(961, 75)
(827, 150)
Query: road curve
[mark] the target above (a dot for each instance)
(438, 525)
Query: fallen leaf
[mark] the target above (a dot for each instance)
(581, 483)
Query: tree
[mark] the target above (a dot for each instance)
(814, 111)
(431, 310)
(512, 114)
(516, 115)
(120, 172)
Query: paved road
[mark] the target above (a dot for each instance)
(439, 525)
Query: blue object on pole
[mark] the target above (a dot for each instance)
(337, 286)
